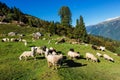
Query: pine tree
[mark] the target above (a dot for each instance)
(80, 30)
(65, 15)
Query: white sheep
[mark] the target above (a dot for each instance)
(26, 54)
(25, 43)
(51, 50)
(73, 54)
(46, 52)
(23, 40)
(54, 53)
(40, 51)
(91, 56)
(98, 54)
(5, 40)
(12, 39)
(54, 60)
(107, 57)
(102, 48)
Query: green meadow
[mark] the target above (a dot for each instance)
(11, 68)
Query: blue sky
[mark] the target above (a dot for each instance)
(93, 11)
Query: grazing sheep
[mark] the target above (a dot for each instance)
(12, 39)
(91, 56)
(40, 51)
(50, 51)
(95, 47)
(98, 54)
(73, 54)
(51, 48)
(25, 43)
(102, 48)
(107, 57)
(26, 54)
(54, 53)
(62, 40)
(15, 39)
(5, 40)
(54, 60)
(23, 40)
(74, 42)
(46, 52)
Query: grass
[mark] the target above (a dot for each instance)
(79, 69)
(11, 68)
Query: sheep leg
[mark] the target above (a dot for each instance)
(25, 58)
(34, 57)
(54, 66)
(59, 63)
(87, 59)
(49, 64)
(20, 58)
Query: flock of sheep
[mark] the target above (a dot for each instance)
(15, 40)
(55, 58)
(95, 59)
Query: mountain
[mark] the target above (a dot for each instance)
(109, 28)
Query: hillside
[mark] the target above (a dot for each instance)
(6, 28)
(109, 28)
(11, 68)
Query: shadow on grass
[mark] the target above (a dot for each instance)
(37, 58)
(81, 57)
(71, 63)
(41, 57)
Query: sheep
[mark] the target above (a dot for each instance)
(54, 53)
(98, 54)
(46, 52)
(26, 54)
(95, 47)
(107, 57)
(12, 39)
(5, 40)
(23, 40)
(40, 51)
(51, 50)
(73, 54)
(91, 56)
(25, 43)
(62, 40)
(102, 48)
(54, 60)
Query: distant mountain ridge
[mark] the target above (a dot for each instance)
(109, 28)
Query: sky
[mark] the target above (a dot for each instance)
(93, 11)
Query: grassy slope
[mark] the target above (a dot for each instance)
(6, 28)
(12, 68)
